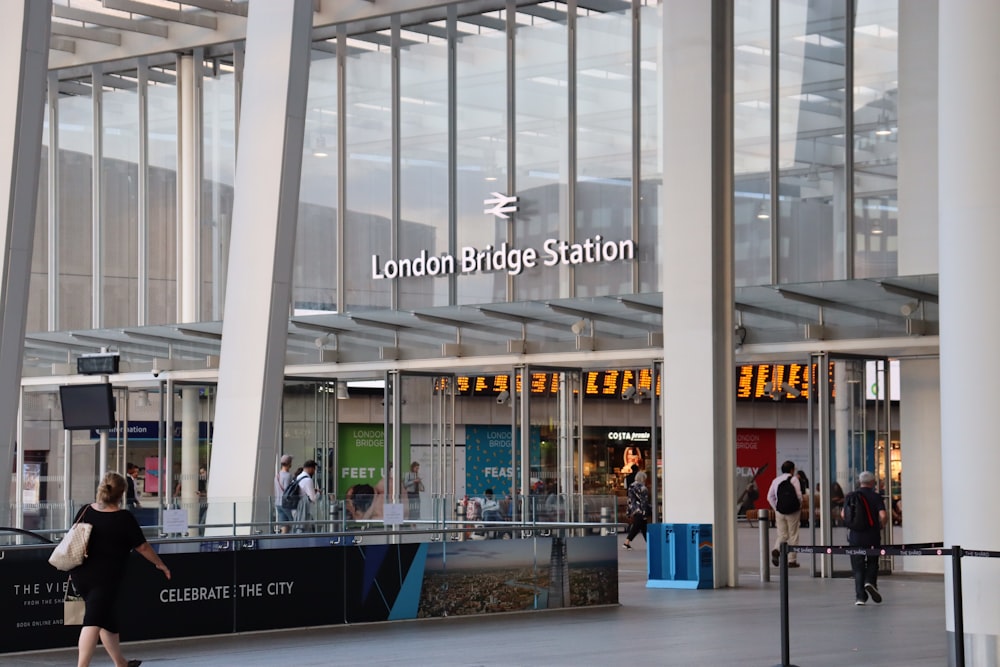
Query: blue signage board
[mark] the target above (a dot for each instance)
(150, 430)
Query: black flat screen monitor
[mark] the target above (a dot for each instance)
(87, 406)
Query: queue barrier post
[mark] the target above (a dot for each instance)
(783, 579)
(956, 591)
(763, 526)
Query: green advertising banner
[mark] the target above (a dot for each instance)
(360, 453)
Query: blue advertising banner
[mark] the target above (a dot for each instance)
(488, 458)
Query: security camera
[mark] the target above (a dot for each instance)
(628, 393)
(503, 397)
(156, 372)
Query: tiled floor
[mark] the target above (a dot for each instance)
(739, 626)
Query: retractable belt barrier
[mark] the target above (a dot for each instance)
(920, 549)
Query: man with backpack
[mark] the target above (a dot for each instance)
(308, 495)
(864, 516)
(785, 497)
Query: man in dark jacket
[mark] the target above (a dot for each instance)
(131, 492)
(865, 567)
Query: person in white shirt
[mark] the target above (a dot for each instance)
(787, 512)
(308, 496)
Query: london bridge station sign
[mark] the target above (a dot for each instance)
(503, 257)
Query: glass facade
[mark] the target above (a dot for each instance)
(413, 127)
(815, 132)
(314, 283)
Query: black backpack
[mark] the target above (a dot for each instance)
(788, 500)
(857, 512)
(291, 495)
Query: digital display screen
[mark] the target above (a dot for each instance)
(87, 406)
(608, 383)
(755, 382)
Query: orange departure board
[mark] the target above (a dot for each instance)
(754, 382)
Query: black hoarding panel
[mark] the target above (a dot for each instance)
(199, 599)
(289, 588)
(31, 596)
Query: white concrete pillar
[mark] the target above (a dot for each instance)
(265, 210)
(189, 260)
(697, 276)
(920, 448)
(842, 428)
(24, 58)
(189, 455)
(188, 190)
(969, 142)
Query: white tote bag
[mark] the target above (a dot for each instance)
(74, 606)
(72, 549)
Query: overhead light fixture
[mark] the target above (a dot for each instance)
(321, 341)
(908, 309)
(763, 211)
(579, 327)
(876, 228)
(342, 393)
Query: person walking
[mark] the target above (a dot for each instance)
(639, 509)
(785, 498)
(115, 533)
(864, 514)
(413, 485)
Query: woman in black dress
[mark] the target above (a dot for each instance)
(115, 533)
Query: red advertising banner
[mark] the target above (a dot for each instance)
(755, 448)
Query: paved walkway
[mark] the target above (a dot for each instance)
(738, 627)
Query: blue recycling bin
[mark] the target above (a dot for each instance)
(679, 555)
(660, 551)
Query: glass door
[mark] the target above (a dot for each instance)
(850, 431)
(420, 446)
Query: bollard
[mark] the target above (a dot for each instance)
(460, 512)
(605, 518)
(763, 525)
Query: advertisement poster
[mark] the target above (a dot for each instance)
(755, 448)
(361, 453)
(32, 483)
(152, 475)
(472, 578)
(488, 458)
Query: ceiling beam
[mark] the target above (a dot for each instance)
(198, 19)
(147, 27)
